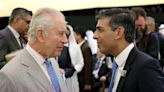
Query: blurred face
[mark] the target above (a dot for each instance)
(140, 24)
(77, 37)
(150, 27)
(104, 36)
(56, 38)
(24, 25)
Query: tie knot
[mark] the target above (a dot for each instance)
(115, 64)
(47, 62)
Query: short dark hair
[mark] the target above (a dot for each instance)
(80, 30)
(139, 11)
(120, 17)
(19, 12)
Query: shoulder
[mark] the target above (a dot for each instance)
(142, 59)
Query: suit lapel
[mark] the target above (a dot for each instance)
(35, 71)
(13, 39)
(127, 67)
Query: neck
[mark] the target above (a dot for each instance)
(120, 48)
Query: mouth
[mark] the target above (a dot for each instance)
(61, 48)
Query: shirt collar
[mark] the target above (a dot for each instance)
(122, 57)
(16, 34)
(81, 43)
(38, 58)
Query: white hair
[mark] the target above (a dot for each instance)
(42, 19)
(151, 21)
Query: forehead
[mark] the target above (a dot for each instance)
(60, 26)
(103, 22)
(140, 20)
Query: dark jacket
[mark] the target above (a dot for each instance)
(144, 74)
(8, 43)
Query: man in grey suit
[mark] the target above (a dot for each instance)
(27, 72)
(17, 28)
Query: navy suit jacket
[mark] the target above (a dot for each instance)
(144, 74)
(104, 71)
(64, 62)
(149, 44)
(161, 43)
(8, 43)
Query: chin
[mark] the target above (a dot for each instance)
(58, 54)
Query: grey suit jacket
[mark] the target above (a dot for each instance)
(8, 43)
(23, 74)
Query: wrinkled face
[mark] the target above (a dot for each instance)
(56, 38)
(24, 25)
(140, 24)
(104, 36)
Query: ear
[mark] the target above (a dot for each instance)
(119, 32)
(40, 35)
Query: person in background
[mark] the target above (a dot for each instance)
(91, 42)
(161, 29)
(132, 70)
(71, 61)
(150, 23)
(12, 37)
(102, 72)
(35, 68)
(145, 41)
(85, 77)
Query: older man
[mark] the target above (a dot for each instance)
(35, 68)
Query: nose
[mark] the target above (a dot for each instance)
(65, 40)
(95, 36)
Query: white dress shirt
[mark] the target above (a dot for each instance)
(121, 60)
(39, 60)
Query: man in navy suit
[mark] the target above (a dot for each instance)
(17, 28)
(136, 71)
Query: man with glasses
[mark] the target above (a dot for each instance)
(13, 37)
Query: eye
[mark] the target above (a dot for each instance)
(100, 30)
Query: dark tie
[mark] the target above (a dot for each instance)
(114, 68)
(52, 75)
(21, 41)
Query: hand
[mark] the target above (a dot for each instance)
(87, 87)
(62, 71)
(103, 78)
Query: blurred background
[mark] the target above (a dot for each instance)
(81, 12)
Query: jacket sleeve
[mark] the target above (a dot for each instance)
(6, 85)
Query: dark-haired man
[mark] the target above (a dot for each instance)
(13, 37)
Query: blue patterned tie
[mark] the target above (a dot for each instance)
(114, 68)
(97, 65)
(52, 75)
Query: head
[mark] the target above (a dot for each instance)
(114, 30)
(79, 33)
(20, 19)
(150, 23)
(140, 21)
(68, 32)
(47, 32)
